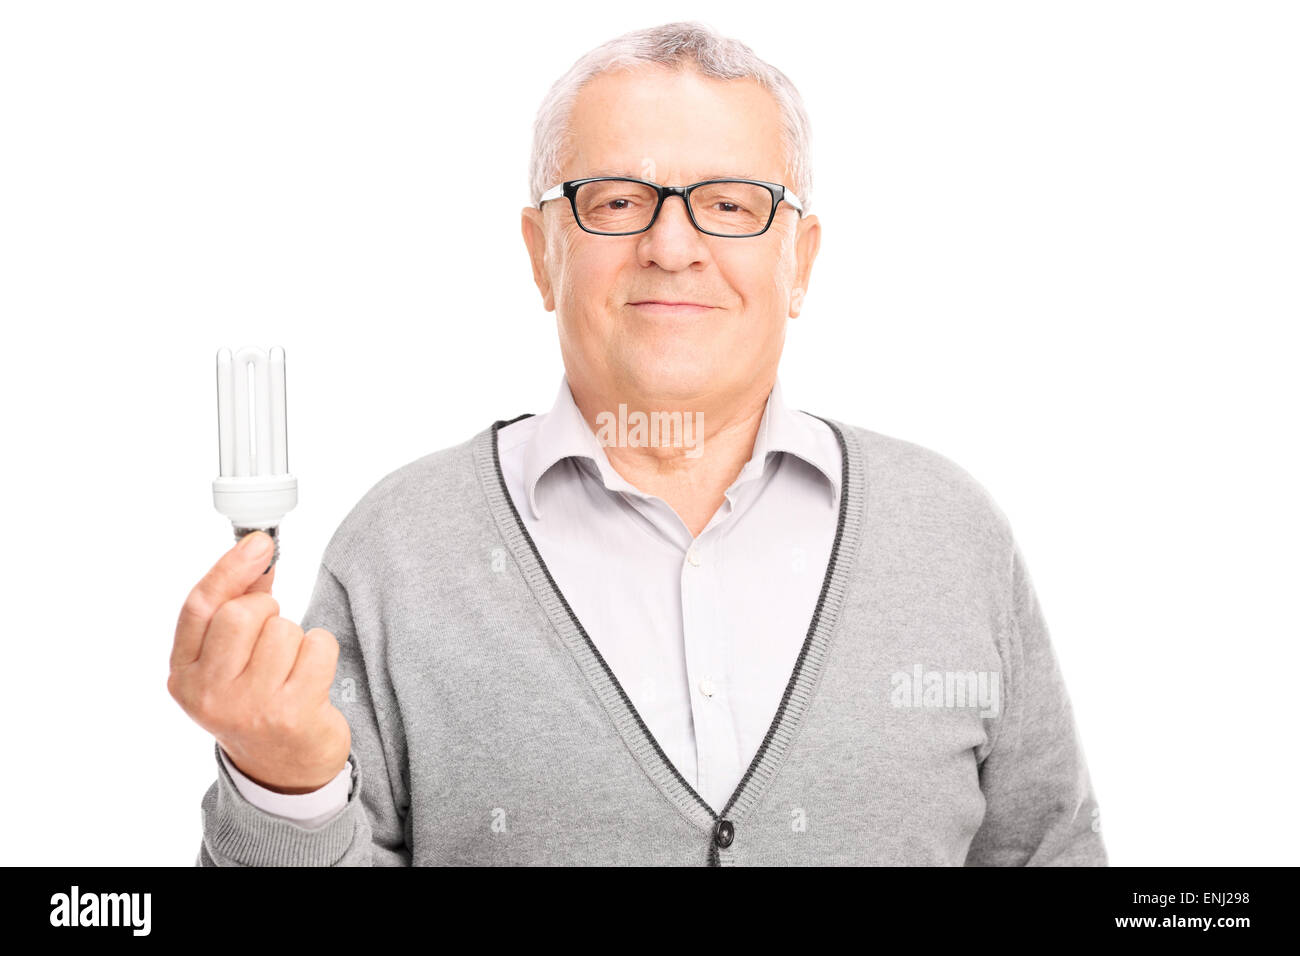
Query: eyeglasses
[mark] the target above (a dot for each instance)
(622, 206)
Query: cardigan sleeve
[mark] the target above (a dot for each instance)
(371, 829)
(1040, 808)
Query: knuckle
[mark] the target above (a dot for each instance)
(267, 605)
(231, 616)
(285, 628)
(261, 723)
(282, 634)
(196, 605)
(325, 639)
(282, 717)
(206, 704)
(289, 720)
(248, 611)
(260, 605)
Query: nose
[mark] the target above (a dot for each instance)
(674, 207)
(672, 241)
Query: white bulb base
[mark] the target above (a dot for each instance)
(256, 502)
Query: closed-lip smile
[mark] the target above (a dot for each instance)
(698, 305)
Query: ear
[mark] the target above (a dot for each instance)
(533, 225)
(807, 241)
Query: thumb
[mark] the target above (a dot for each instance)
(262, 559)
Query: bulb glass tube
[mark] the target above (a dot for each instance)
(254, 488)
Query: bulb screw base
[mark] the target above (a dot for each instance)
(273, 531)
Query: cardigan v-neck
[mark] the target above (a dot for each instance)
(631, 727)
(701, 627)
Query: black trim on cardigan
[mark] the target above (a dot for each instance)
(723, 832)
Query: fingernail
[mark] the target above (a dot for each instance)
(256, 545)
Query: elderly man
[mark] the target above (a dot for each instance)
(672, 620)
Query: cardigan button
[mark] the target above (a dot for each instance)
(724, 834)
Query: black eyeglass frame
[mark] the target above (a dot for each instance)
(569, 190)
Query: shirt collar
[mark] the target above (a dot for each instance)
(563, 433)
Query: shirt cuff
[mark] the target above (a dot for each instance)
(306, 809)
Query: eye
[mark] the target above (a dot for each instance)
(727, 207)
(618, 203)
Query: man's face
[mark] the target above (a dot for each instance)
(672, 128)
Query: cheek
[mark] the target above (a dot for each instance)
(592, 275)
(587, 277)
(758, 282)
(782, 272)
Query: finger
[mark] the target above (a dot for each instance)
(272, 658)
(266, 579)
(229, 577)
(263, 581)
(313, 671)
(230, 638)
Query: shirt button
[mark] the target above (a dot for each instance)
(706, 687)
(693, 557)
(724, 833)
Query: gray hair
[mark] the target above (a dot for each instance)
(675, 45)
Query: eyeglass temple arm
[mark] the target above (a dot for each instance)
(555, 192)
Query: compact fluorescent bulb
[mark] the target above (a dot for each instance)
(255, 490)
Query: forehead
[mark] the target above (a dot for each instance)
(674, 126)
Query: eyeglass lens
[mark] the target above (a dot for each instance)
(729, 208)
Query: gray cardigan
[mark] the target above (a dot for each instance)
(925, 720)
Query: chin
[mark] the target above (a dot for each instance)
(674, 374)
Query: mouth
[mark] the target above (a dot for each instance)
(659, 307)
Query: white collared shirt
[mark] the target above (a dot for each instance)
(702, 633)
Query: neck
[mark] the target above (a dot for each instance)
(692, 475)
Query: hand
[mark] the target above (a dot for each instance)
(254, 680)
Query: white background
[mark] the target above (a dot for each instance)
(1060, 246)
